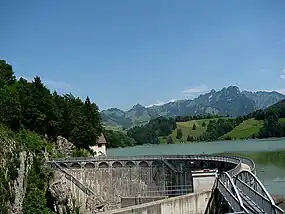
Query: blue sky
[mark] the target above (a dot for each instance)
(125, 52)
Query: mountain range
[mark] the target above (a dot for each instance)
(227, 101)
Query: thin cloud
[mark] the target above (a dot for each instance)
(160, 103)
(194, 91)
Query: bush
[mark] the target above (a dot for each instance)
(80, 153)
(179, 134)
(228, 138)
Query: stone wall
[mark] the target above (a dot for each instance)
(109, 185)
(194, 203)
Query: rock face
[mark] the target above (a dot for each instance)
(20, 183)
(61, 195)
(19, 164)
(64, 146)
(68, 197)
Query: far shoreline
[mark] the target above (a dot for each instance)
(197, 142)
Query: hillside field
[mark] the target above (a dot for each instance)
(245, 130)
(114, 128)
(186, 128)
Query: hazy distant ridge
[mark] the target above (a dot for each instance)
(227, 101)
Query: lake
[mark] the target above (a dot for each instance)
(269, 156)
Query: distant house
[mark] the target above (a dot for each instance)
(100, 148)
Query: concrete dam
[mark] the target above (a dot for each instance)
(165, 184)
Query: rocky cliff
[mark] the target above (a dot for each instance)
(25, 179)
(15, 165)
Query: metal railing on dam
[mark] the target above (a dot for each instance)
(148, 160)
(236, 184)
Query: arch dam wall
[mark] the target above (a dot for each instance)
(99, 184)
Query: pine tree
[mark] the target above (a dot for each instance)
(179, 134)
(169, 140)
(188, 138)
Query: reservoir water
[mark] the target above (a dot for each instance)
(269, 156)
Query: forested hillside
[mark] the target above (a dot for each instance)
(31, 119)
(259, 124)
(32, 106)
(272, 118)
(155, 128)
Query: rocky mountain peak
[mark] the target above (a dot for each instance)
(230, 91)
(227, 101)
(138, 107)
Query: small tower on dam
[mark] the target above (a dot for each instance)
(100, 148)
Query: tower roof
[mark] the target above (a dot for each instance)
(102, 139)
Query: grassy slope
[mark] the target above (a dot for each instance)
(186, 128)
(282, 120)
(245, 130)
(115, 128)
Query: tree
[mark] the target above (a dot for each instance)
(7, 76)
(149, 133)
(169, 140)
(271, 127)
(203, 124)
(259, 115)
(10, 113)
(117, 139)
(190, 138)
(194, 127)
(179, 134)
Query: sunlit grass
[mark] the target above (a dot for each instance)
(245, 130)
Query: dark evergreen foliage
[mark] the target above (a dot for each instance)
(32, 106)
(179, 134)
(118, 139)
(195, 117)
(217, 128)
(149, 133)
